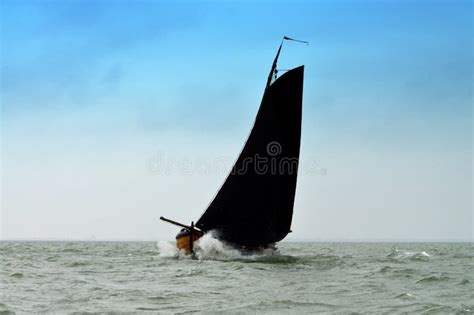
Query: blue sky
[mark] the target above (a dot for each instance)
(91, 91)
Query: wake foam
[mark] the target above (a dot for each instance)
(208, 247)
(169, 250)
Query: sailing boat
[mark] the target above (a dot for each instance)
(254, 207)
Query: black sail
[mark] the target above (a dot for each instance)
(254, 206)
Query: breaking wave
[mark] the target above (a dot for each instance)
(433, 278)
(402, 255)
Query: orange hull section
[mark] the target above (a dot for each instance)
(184, 242)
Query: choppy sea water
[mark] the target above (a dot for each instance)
(94, 277)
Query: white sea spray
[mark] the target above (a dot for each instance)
(208, 247)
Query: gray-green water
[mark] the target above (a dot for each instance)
(303, 278)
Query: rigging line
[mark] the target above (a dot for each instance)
(296, 40)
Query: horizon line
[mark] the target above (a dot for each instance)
(329, 240)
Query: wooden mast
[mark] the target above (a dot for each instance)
(191, 238)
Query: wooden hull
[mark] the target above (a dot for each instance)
(184, 242)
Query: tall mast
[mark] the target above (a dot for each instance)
(273, 71)
(274, 65)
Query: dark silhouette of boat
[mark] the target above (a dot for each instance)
(254, 207)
